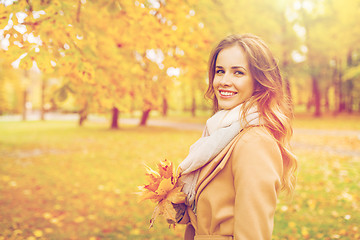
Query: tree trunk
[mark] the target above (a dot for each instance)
(184, 97)
(316, 94)
(340, 89)
(165, 107)
(350, 84)
(193, 107)
(327, 104)
(336, 87)
(350, 104)
(115, 118)
(24, 110)
(309, 103)
(82, 118)
(350, 97)
(144, 117)
(83, 114)
(42, 108)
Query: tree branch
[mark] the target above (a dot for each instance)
(37, 22)
(78, 11)
(30, 6)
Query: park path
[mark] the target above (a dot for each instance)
(354, 135)
(200, 127)
(301, 145)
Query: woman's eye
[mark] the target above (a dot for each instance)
(239, 73)
(220, 71)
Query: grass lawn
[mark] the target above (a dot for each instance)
(59, 181)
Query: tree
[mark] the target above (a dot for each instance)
(92, 58)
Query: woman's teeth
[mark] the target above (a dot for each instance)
(227, 93)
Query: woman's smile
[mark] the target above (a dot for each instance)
(227, 93)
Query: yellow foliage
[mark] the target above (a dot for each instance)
(26, 63)
(38, 233)
(93, 46)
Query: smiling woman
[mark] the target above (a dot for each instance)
(235, 171)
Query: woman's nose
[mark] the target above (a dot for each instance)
(225, 80)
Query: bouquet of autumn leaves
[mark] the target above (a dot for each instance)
(165, 190)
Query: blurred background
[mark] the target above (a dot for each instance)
(125, 64)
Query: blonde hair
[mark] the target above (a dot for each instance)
(275, 107)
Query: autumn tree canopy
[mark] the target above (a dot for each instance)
(151, 54)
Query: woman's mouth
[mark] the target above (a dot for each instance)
(224, 93)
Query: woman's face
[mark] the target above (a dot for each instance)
(233, 83)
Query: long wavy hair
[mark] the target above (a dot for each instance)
(274, 106)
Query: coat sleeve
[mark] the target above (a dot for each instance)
(257, 169)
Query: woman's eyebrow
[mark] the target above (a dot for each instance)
(233, 67)
(237, 67)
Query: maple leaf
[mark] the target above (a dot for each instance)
(164, 189)
(149, 195)
(166, 168)
(176, 196)
(166, 208)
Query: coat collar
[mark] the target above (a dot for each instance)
(210, 170)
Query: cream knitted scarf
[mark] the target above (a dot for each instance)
(220, 129)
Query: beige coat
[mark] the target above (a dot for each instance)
(237, 191)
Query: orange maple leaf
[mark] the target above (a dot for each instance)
(165, 207)
(166, 169)
(164, 189)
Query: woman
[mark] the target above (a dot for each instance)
(234, 172)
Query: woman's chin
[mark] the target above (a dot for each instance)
(228, 106)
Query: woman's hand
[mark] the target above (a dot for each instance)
(180, 211)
